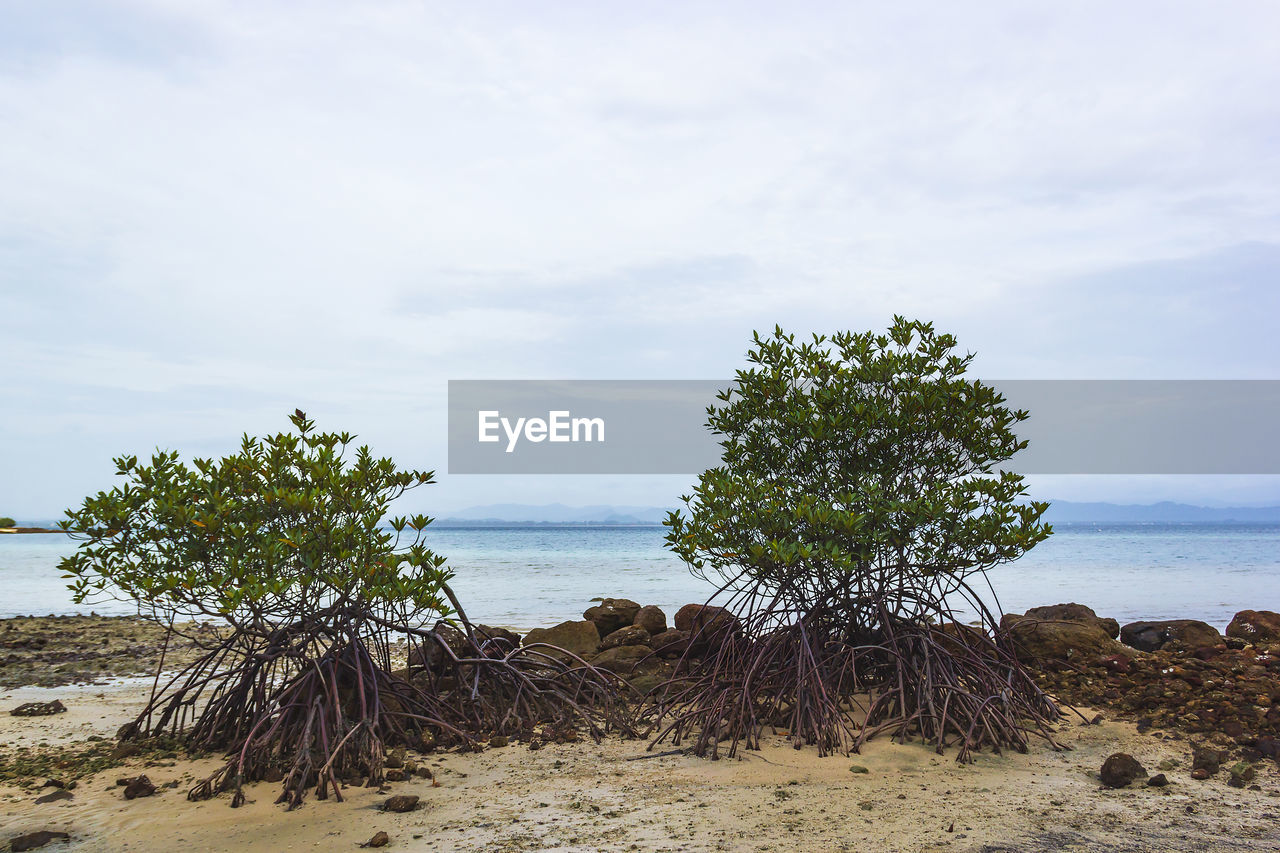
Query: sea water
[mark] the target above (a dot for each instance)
(528, 576)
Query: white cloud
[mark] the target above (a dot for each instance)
(352, 203)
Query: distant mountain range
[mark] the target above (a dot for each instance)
(1060, 512)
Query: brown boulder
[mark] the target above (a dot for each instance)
(670, 644)
(632, 635)
(1073, 612)
(621, 660)
(706, 624)
(401, 803)
(431, 655)
(496, 639)
(1255, 626)
(1071, 642)
(1178, 633)
(651, 618)
(580, 638)
(1121, 769)
(611, 614)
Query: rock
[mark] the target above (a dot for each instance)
(1182, 633)
(1118, 663)
(379, 839)
(858, 768)
(396, 775)
(1158, 781)
(580, 638)
(706, 624)
(401, 803)
(1269, 747)
(498, 741)
(1200, 774)
(671, 643)
(60, 794)
(1255, 626)
(651, 618)
(611, 614)
(632, 635)
(139, 786)
(1242, 773)
(431, 655)
(621, 660)
(1073, 642)
(395, 758)
(39, 709)
(1075, 613)
(1120, 769)
(35, 840)
(1206, 758)
(493, 639)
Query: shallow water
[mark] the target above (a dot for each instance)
(528, 576)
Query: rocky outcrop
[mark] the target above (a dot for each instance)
(1185, 633)
(580, 638)
(1073, 612)
(651, 618)
(632, 635)
(611, 614)
(1255, 626)
(1040, 641)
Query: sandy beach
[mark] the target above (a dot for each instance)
(615, 796)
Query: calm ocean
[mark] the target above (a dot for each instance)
(524, 577)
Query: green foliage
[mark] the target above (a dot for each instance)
(286, 529)
(857, 468)
(6, 521)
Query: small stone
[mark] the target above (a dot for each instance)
(498, 741)
(1120, 769)
(858, 768)
(1158, 781)
(139, 786)
(1206, 758)
(1200, 774)
(1242, 774)
(401, 803)
(395, 774)
(379, 839)
(1167, 764)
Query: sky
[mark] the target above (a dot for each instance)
(213, 213)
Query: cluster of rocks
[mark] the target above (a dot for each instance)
(1180, 676)
(615, 634)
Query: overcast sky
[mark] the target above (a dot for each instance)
(211, 213)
